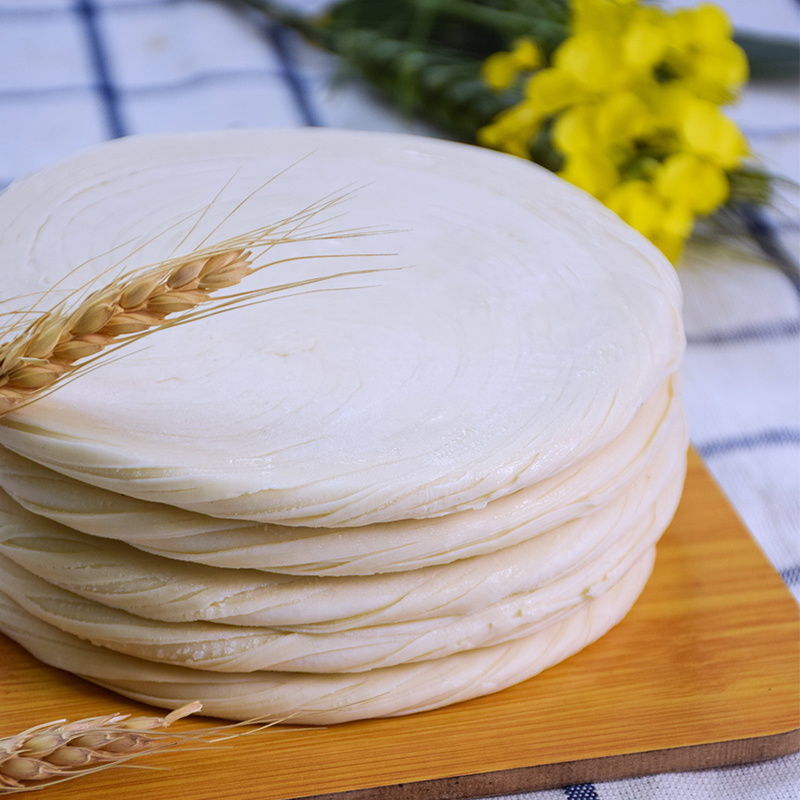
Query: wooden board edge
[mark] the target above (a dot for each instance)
(735, 752)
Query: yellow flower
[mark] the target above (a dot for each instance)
(500, 70)
(670, 104)
(526, 54)
(677, 221)
(573, 130)
(550, 90)
(676, 226)
(666, 223)
(695, 184)
(591, 63)
(645, 39)
(633, 94)
(611, 126)
(706, 24)
(671, 246)
(599, 16)
(638, 204)
(512, 130)
(703, 56)
(622, 117)
(719, 73)
(593, 172)
(705, 130)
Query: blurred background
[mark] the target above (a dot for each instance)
(77, 72)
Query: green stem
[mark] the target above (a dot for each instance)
(770, 58)
(509, 22)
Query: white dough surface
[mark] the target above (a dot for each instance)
(526, 327)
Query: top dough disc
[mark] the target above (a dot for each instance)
(526, 327)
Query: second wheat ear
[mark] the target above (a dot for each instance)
(60, 342)
(54, 752)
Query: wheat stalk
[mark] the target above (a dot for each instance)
(65, 339)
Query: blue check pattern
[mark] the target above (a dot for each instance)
(76, 72)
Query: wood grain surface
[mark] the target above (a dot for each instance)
(704, 671)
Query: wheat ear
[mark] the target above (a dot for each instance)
(52, 345)
(61, 751)
(63, 340)
(50, 753)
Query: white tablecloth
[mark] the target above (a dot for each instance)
(75, 72)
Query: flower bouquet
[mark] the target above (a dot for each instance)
(623, 98)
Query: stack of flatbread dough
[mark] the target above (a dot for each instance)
(394, 492)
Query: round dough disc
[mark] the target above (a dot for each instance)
(524, 328)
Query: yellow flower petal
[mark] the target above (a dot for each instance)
(701, 26)
(573, 131)
(710, 24)
(677, 222)
(489, 135)
(526, 54)
(692, 182)
(594, 173)
(638, 205)
(667, 225)
(671, 103)
(719, 73)
(604, 16)
(550, 90)
(512, 130)
(522, 118)
(593, 62)
(518, 147)
(621, 118)
(499, 71)
(645, 41)
(707, 132)
(671, 246)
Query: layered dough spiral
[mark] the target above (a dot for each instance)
(330, 698)
(398, 546)
(352, 503)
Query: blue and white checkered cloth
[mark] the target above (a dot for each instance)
(75, 72)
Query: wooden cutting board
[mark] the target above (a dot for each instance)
(705, 671)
